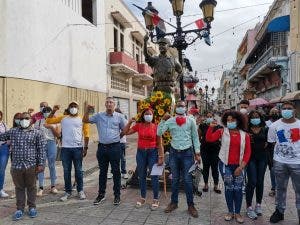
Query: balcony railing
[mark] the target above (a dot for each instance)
(144, 69)
(138, 90)
(123, 62)
(273, 51)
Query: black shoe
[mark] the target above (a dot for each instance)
(117, 201)
(276, 217)
(99, 199)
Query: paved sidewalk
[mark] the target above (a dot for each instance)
(53, 212)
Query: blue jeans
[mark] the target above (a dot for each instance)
(256, 173)
(273, 180)
(233, 187)
(123, 158)
(146, 158)
(4, 155)
(69, 155)
(180, 163)
(109, 154)
(51, 157)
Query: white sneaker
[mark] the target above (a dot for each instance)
(3, 194)
(109, 176)
(81, 195)
(39, 193)
(125, 175)
(65, 197)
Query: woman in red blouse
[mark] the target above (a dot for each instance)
(149, 152)
(234, 155)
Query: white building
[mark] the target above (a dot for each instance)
(51, 50)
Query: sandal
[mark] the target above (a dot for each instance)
(140, 203)
(228, 217)
(154, 205)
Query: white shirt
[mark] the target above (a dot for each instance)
(287, 139)
(48, 134)
(72, 135)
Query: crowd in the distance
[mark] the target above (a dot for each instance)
(239, 146)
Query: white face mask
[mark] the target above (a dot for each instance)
(244, 111)
(25, 123)
(73, 110)
(46, 115)
(148, 118)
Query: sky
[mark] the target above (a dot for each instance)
(224, 47)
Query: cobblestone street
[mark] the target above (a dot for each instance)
(53, 212)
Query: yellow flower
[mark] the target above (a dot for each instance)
(166, 135)
(159, 95)
(165, 142)
(138, 116)
(153, 98)
(161, 112)
(146, 105)
(157, 107)
(167, 101)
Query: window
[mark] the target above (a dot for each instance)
(115, 40)
(137, 50)
(118, 37)
(89, 10)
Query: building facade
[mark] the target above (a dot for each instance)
(129, 77)
(51, 50)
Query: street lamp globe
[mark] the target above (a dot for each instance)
(148, 17)
(177, 6)
(213, 90)
(207, 7)
(206, 87)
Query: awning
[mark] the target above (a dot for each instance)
(121, 19)
(138, 36)
(291, 96)
(275, 100)
(258, 101)
(191, 97)
(279, 24)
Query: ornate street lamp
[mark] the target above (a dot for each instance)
(148, 17)
(177, 6)
(207, 7)
(213, 90)
(206, 88)
(181, 39)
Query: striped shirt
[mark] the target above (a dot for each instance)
(28, 147)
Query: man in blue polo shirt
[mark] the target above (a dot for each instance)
(109, 124)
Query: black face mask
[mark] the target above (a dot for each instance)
(275, 116)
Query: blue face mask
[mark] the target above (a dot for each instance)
(231, 125)
(209, 120)
(255, 121)
(148, 118)
(180, 110)
(287, 113)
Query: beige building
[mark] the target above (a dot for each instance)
(129, 77)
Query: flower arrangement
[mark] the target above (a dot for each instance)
(160, 102)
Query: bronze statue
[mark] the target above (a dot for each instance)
(165, 68)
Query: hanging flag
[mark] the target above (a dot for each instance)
(160, 27)
(200, 24)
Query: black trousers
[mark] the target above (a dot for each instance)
(210, 160)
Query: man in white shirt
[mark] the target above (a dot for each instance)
(285, 133)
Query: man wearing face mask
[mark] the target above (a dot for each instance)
(39, 115)
(50, 132)
(285, 134)
(27, 159)
(184, 134)
(109, 124)
(244, 107)
(75, 139)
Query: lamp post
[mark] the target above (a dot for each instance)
(181, 39)
(206, 95)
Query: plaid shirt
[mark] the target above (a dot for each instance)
(28, 147)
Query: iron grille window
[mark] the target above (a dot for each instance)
(138, 90)
(119, 84)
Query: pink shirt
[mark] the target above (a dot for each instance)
(37, 116)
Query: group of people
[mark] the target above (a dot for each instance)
(239, 147)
